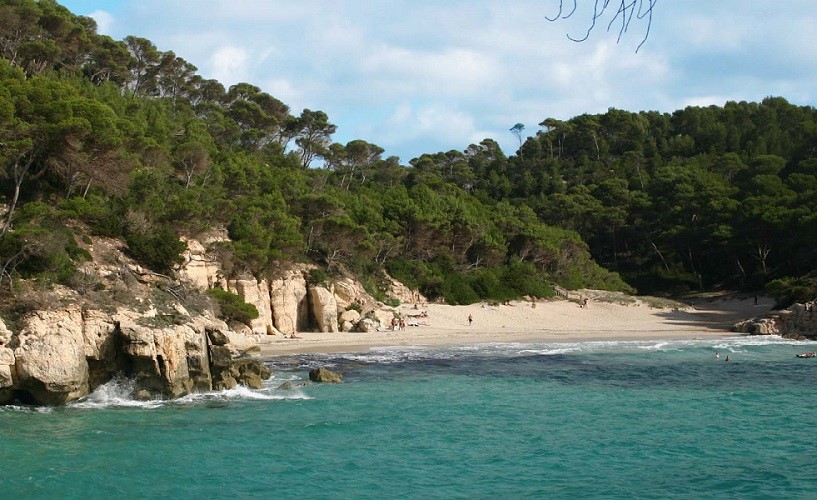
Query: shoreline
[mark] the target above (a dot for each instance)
(550, 321)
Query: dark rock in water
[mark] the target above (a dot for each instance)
(286, 386)
(324, 375)
(251, 372)
(220, 356)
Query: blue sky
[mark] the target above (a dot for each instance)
(421, 76)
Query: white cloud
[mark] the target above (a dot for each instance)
(422, 76)
(433, 122)
(104, 21)
(229, 65)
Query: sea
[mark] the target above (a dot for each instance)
(624, 419)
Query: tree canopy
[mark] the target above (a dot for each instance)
(125, 140)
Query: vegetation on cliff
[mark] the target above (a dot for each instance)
(121, 139)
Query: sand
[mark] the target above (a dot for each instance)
(542, 321)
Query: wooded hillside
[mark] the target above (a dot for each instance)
(122, 139)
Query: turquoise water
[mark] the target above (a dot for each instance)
(598, 419)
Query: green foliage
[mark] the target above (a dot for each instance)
(318, 277)
(129, 140)
(159, 249)
(232, 307)
(788, 290)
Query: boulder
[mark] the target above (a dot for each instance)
(797, 322)
(50, 360)
(324, 308)
(290, 311)
(367, 325)
(351, 316)
(286, 386)
(383, 317)
(251, 372)
(348, 291)
(324, 375)
(348, 320)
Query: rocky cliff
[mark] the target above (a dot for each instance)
(126, 320)
(289, 303)
(797, 322)
(61, 355)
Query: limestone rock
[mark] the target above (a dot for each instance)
(251, 373)
(103, 347)
(5, 333)
(217, 336)
(6, 365)
(198, 358)
(50, 361)
(158, 358)
(348, 291)
(346, 326)
(351, 316)
(324, 308)
(286, 386)
(199, 267)
(796, 322)
(290, 311)
(383, 317)
(324, 375)
(256, 293)
(368, 325)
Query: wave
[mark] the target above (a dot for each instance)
(119, 393)
(419, 353)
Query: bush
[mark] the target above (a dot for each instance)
(233, 307)
(159, 250)
(786, 291)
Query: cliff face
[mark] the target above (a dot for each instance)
(135, 323)
(797, 322)
(61, 355)
(289, 303)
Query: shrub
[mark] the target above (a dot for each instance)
(233, 307)
(159, 250)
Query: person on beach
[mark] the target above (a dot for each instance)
(470, 320)
(717, 355)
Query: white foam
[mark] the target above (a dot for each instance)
(118, 393)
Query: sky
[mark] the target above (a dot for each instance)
(423, 76)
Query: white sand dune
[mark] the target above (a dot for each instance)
(543, 321)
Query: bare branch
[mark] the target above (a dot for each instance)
(622, 13)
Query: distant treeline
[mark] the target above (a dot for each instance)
(120, 139)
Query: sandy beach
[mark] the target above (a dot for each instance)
(543, 321)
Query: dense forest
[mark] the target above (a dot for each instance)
(124, 140)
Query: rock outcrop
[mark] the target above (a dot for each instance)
(256, 293)
(324, 308)
(62, 355)
(288, 296)
(324, 375)
(200, 268)
(797, 322)
(50, 361)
